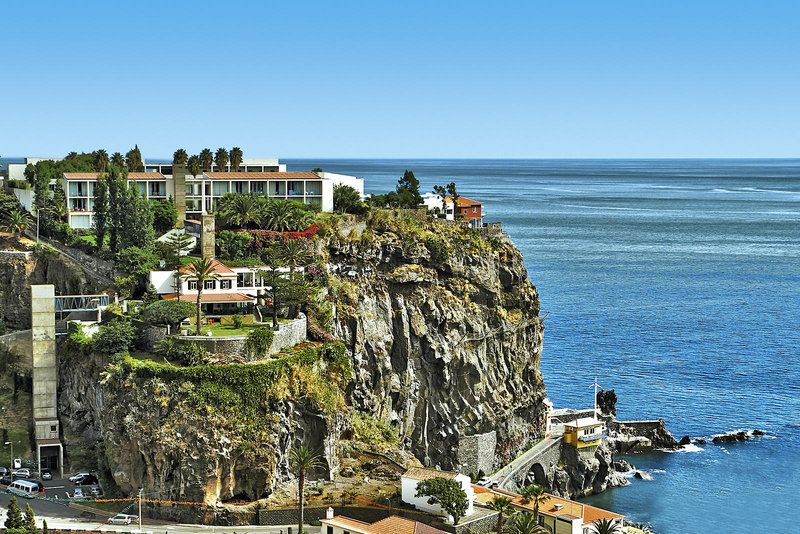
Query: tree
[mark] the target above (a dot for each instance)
(100, 160)
(116, 205)
(605, 526)
(179, 157)
(13, 516)
(301, 459)
(118, 160)
(29, 523)
(168, 312)
(135, 264)
(116, 336)
(446, 191)
(200, 270)
(133, 160)
(280, 288)
(206, 159)
(408, 191)
(536, 494)
(136, 221)
(447, 493)
(239, 210)
(524, 523)
(221, 159)
(45, 530)
(193, 165)
(100, 210)
(501, 505)
(179, 242)
(347, 200)
(236, 158)
(17, 221)
(165, 216)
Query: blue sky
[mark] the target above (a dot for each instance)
(403, 79)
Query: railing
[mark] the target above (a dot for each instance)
(592, 437)
(70, 303)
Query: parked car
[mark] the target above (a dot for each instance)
(122, 519)
(46, 474)
(87, 480)
(21, 473)
(4, 471)
(484, 481)
(79, 475)
(78, 494)
(6, 479)
(96, 491)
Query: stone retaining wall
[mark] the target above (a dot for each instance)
(11, 255)
(288, 335)
(20, 343)
(476, 452)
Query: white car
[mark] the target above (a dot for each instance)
(80, 475)
(484, 481)
(21, 473)
(122, 519)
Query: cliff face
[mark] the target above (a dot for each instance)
(17, 275)
(444, 344)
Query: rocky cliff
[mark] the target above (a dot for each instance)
(444, 330)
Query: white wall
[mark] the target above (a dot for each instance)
(409, 491)
(163, 281)
(344, 179)
(25, 197)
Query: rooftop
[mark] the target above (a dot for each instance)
(584, 421)
(463, 201)
(131, 175)
(567, 508)
(217, 268)
(261, 175)
(390, 525)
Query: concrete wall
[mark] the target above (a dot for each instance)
(20, 343)
(207, 238)
(43, 334)
(288, 335)
(476, 452)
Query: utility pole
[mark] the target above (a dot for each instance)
(596, 385)
(140, 509)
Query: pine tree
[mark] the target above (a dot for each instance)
(13, 515)
(45, 530)
(29, 523)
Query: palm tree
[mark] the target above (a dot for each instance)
(236, 158)
(237, 210)
(605, 526)
(59, 210)
(536, 494)
(206, 159)
(279, 216)
(502, 505)
(524, 523)
(193, 165)
(118, 160)
(295, 253)
(200, 270)
(16, 221)
(179, 157)
(301, 459)
(221, 159)
(100, 160)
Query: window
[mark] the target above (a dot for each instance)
(224, 284)
(193, 285)
(475, 209)
(257, 187)
(219, 188)
(209, 284)
(240, 187)
(53, 428)
(78, 204)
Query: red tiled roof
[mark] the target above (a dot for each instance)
(588, 514)
(212, 297)
(390, 525)
(273, 175)
(218, 268)
(464, 202)
(131, 175)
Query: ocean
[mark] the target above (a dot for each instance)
(677, 284)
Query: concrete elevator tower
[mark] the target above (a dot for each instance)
(49, 451)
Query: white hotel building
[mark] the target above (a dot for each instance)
(200, 193)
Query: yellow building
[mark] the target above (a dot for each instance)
(583, 432)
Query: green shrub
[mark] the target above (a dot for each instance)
(438, 249)
(188, 353)
(18, 184)
(116, 336)
(369, 429)
(259, 341)
(237, 321)
(77, 339)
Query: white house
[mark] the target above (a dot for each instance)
(415, 475)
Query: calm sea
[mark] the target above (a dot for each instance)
(677, 284)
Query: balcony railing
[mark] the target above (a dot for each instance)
(592, 437)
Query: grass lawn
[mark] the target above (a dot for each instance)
(228, 330)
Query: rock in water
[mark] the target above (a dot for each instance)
(701, 441)
(758, 432)
(685, 440)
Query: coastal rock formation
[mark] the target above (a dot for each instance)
(444, 343)
(580, 474)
